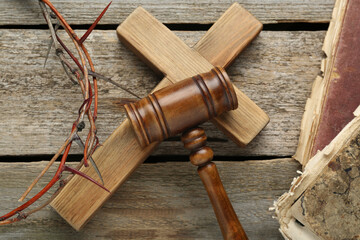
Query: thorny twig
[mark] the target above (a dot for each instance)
(90, 93)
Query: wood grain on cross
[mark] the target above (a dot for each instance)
(165, 52)
(120, 154)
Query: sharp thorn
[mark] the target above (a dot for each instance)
(96, 169)
(91, 28)
(81, 144)
(75, 171)
(97, 75)
(48, 51)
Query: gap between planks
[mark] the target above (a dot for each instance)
(292, 26)
(276, 71)
(159, 201)
(170, 11)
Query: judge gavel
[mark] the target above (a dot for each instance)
(179, 108)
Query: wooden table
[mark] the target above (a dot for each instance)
(164, 199)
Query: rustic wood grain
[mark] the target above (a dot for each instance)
(121, 154)
(159, 201)
(168, 54)
(39, 104)
(20, 12)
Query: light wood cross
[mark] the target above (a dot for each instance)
(120, 154)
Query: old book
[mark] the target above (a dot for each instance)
(324, 201)
(335, 93)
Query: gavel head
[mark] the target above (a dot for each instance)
(183, 105)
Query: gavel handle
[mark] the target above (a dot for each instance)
(224, 211)
(201, 156)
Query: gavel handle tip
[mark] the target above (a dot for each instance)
(229, 223)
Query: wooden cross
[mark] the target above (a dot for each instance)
(120, 154)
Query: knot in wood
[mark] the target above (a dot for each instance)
(195, 141)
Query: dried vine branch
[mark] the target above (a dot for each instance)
(86, 77)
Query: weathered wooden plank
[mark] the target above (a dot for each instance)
(121, 154)
(159, 201)
(167, 11)
(38, 104)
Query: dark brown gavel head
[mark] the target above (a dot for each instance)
(180, 107)
(176, 108)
